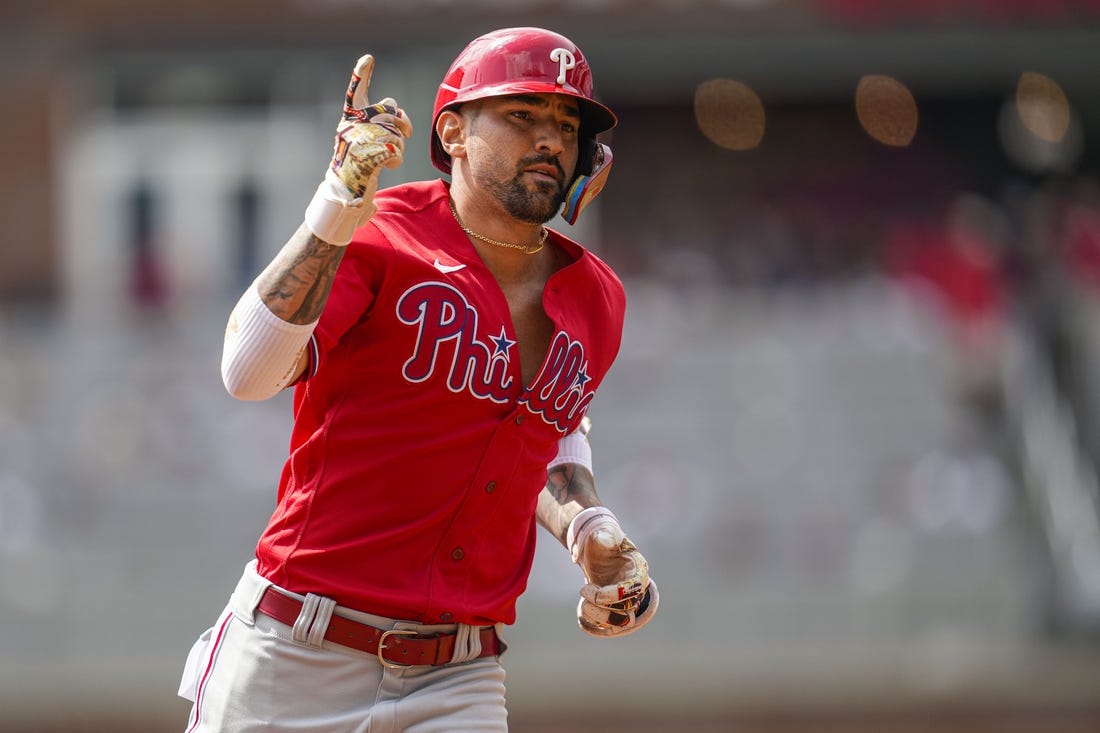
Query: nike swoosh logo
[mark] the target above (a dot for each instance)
(446, 268)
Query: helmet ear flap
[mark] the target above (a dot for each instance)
(593, 167)
(586, 157)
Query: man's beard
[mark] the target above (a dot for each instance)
(535, 207)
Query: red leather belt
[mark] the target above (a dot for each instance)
(395, 648)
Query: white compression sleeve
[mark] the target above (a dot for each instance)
(261, 350)
(573, 448)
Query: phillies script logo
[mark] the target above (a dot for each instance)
(447, 328)
(558, 393)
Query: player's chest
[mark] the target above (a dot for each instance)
(533, 329)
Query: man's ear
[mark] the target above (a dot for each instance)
(451, 129)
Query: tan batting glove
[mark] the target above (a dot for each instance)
(618, 597)
(370, 137)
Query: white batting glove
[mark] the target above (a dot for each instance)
(370, 137)
(618, 597)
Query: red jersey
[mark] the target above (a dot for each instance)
(417, 455)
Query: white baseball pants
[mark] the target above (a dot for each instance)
(248, 674)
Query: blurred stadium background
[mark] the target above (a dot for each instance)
(855, 423)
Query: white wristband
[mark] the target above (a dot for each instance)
(261, 350)
(585, 517)
(573, 448)
(334, 214)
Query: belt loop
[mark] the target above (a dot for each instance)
(312, 622)
(467, 644)
(300, 631)
(321, 619)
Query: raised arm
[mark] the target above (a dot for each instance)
(268, 330)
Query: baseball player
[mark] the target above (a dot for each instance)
(444, 346)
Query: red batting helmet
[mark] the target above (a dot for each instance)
(519, 61)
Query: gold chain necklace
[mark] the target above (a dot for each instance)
(523, 247)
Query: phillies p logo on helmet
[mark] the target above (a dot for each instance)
(567, 61)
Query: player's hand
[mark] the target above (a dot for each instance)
(618, 597)
(370, 136)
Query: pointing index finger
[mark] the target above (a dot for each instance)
(356, 98)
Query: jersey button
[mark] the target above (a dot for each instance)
(457, 553)
(490, 487)
(445, 616)
(519, 419)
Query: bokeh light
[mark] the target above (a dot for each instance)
(886, 110)
(1043, 107)
(1038, 128)
(730, 114)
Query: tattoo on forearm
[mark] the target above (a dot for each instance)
(558, 482)
(569, 489)
(296, 285)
